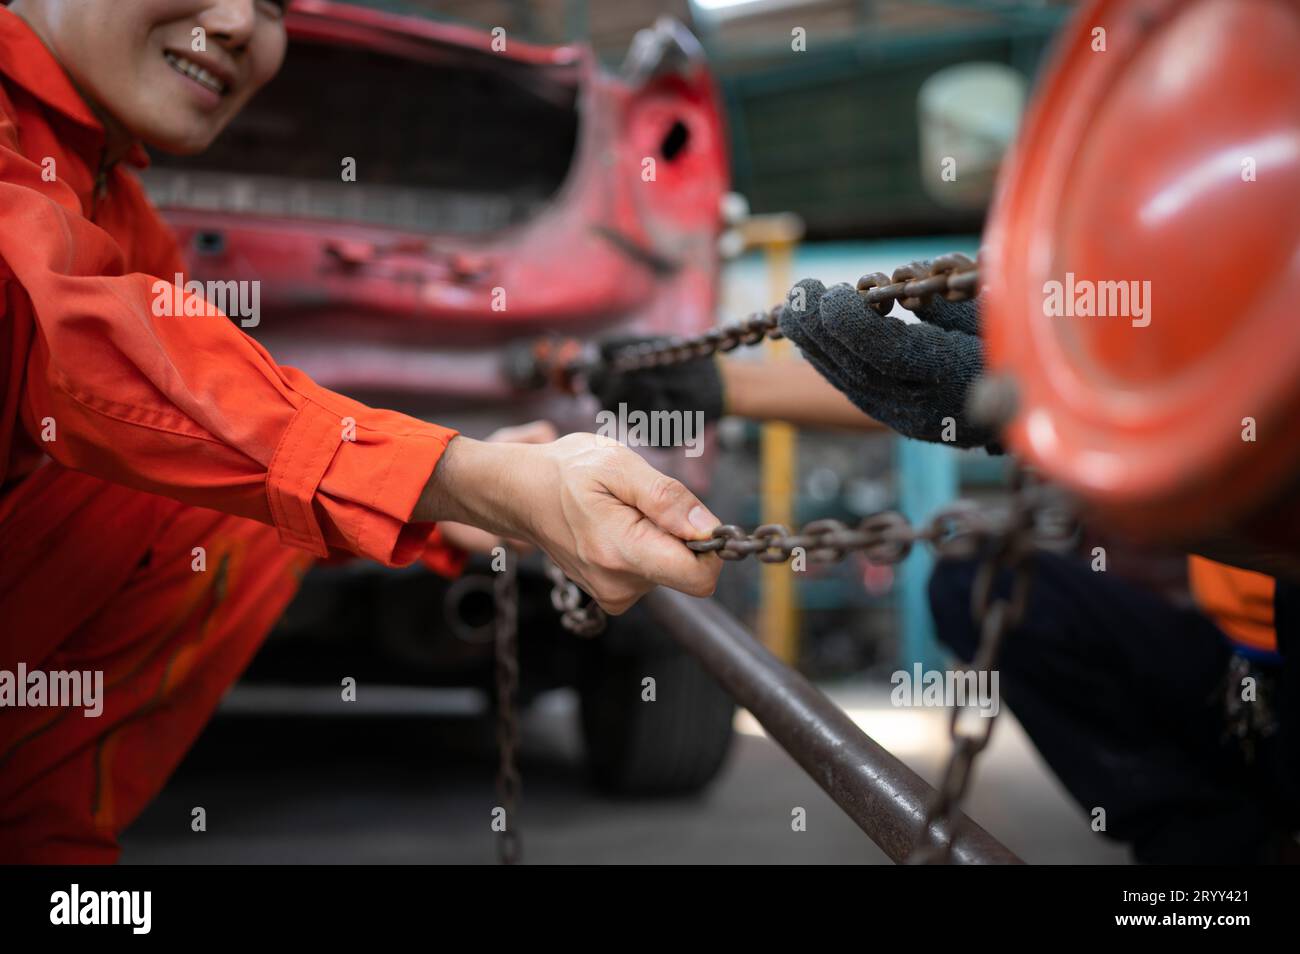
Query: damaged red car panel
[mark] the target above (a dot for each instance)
(497, 194)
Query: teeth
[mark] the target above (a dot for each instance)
(195, 72)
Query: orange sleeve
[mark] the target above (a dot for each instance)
(191, 407)
(444, 558)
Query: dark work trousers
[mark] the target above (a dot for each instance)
(1123, 694)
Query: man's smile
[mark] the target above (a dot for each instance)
(201, 75)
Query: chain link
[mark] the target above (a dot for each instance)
(505, 592)
(953, 276)
(579, 614)
(958, 530)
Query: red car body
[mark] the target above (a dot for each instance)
(373, 298)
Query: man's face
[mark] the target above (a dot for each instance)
(173, 73)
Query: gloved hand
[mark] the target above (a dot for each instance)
(692, 386)
(907, 376)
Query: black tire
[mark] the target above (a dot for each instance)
(674, 745)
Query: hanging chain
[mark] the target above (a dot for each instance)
(505, 592)
(578, 612)
(953, 276)
(1010, 551)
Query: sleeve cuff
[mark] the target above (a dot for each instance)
(354, 483)
(442, 557)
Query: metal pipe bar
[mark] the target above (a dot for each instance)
(883, 796)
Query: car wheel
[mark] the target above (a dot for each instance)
(673, 745)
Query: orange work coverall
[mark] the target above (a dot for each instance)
(126, 442)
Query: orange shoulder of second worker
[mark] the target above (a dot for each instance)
(1239, 601)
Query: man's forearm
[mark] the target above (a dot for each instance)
(788, 390)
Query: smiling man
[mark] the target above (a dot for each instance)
(163, 481)
(169, 74)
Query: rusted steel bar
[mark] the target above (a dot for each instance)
(883, 796)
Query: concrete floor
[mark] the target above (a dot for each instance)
(409, 779)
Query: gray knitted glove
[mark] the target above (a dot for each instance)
(909, 377)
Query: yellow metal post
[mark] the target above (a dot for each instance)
(778, 607)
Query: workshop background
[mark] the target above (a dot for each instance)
(836, 149)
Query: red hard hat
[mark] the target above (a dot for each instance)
(1161, 156)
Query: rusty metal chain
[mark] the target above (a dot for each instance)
(578, 612)
(566, 363)
(748, 331)
(954, 276)
(958, 530)
(1037, 517)
(505, 592)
